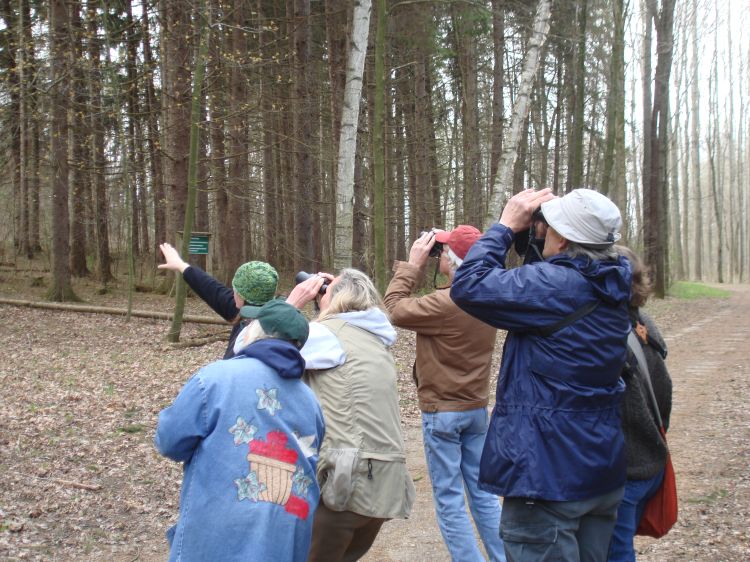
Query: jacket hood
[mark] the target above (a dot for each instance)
(280, 355)
(374, 321)
(610, 280)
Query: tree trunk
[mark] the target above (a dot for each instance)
(698, 234)
(24, 127)
(463, 18)
(398, 222)
(176, 39)
(96, 154)
(615, 103)
(685, 208)
(153, 146)
(575, 168)
(61, 289)
(655, 186)
(337, 26)
(498, 101)
(303, 136)
(11, 61)
(348, 140)
(674, 196)
(112, 311)
(379, 150)
(648, 15)
(238, 163)
(520, 112)
(195, 115)
(271, 199)
(558, 122)
(78, 136)
(131, 101)
(713, 145)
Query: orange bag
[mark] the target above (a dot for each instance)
(660, 513)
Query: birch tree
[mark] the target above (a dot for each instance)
(348, 139)
(520, 111)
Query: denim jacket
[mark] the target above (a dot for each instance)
(248, 431)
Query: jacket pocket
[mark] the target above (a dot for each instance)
(336, 477)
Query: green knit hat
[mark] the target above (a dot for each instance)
(255, 281)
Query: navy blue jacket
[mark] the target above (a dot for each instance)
(555, 429)
(217, 296)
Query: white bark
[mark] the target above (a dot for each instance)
(348, 139)
(504, 178)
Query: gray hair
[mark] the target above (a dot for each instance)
(253, 333)
(354, 291)
(595, 254)
(454, 262)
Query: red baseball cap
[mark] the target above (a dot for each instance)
(460, 239)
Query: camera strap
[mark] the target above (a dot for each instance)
(434, 275)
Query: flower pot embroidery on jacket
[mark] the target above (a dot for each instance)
(274, 475)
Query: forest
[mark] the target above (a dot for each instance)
(323, 134)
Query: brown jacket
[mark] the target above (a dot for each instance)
(454, 350)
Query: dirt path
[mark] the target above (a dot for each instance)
(81, 480)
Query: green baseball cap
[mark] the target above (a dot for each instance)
(256, 281)
(281, 320)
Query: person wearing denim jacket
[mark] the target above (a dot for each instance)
(248, 431)
(452, 373)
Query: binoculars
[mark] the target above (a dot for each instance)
(304, 276)
(437, 249)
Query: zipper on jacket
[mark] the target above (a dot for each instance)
(369, 469)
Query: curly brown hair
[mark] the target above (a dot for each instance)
(641, 284)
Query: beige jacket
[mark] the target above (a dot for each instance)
(362, 466)
(454, 350)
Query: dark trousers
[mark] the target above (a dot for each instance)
(342, 536)
(547, 531)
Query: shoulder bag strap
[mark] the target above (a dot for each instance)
(635, 347)
(545, 331)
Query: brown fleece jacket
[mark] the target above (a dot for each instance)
(454, 350)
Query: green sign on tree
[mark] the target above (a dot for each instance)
(198, 244)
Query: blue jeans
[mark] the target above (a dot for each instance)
(453, 444)
(546, 531)
(637, 494)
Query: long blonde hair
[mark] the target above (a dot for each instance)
(353, 291)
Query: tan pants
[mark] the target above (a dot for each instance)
(342, 536)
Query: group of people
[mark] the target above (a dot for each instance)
(292, 445)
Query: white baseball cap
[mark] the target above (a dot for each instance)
(586, 217)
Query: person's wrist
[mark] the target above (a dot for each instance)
(513, 227)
